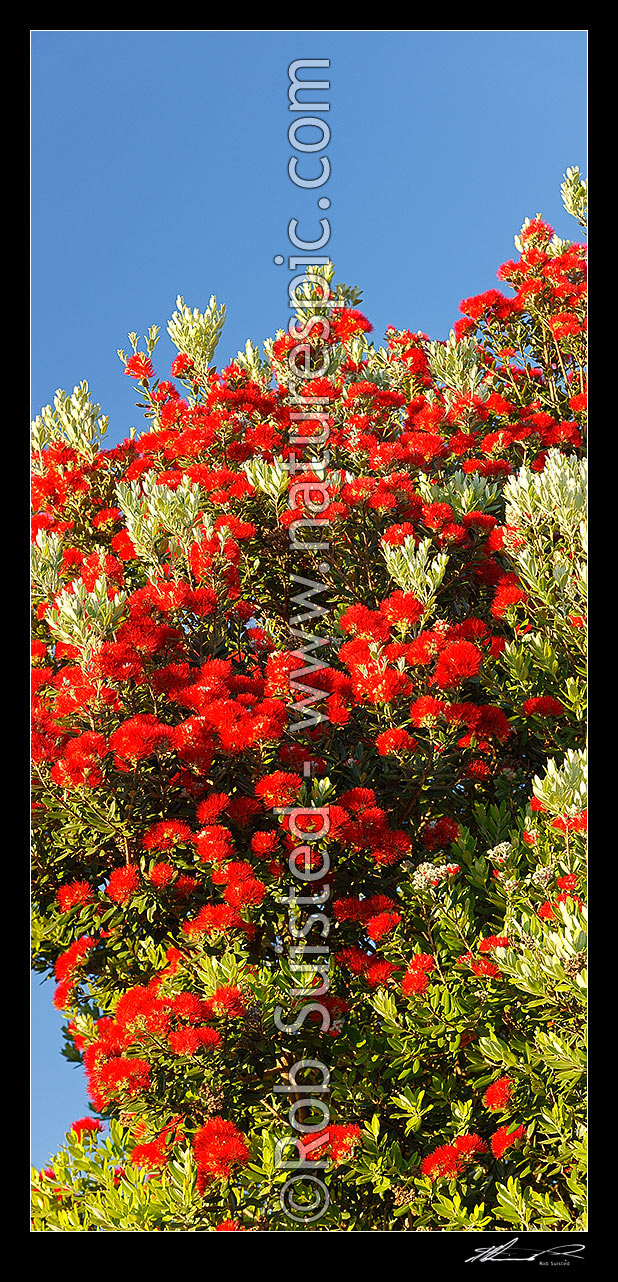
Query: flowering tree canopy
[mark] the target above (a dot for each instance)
(309, 786)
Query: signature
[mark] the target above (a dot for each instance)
(509, 1251)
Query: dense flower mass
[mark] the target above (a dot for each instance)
(218, 1146)
(504, 1138)
(86, 1125)
(308, 748)
(498, 1095)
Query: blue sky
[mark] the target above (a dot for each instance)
(160, 167)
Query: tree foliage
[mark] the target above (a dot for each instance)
(309, 770)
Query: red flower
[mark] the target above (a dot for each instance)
(278, 788)
(378, 973)
(493, 941)
(153, 1156)
(393, 741)
(219, 1146)
(444, 1163)
(354, 959)
(509, 593)
(501, 1140)
(166, 834)
(543, 706)
(415, 981)
(73, 957)
(209, 810)
(212, 918)
(546, 911)
(86, 1125)
(578, 403)
(470, 1146)
(343, 1140)
(181, 365)
(139, 366)
(188, 1006)
(137, 739)
(139, 1007)
(402, 609)
(249, 890)
(481, 966)
(369, 625)
(227, 1000)
(380, 925)
(264, 843)
(124, 1076)
(426, 710)
(459, 662)
(567, 883)
(186, 1041)
(439, 833)
(346, 322)
(123, 883)
(161, 874)
(73, 894)
(498, 1095)
(339, 1141)
(397, 534)
(574, 823)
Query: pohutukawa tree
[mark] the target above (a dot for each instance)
(309, 770)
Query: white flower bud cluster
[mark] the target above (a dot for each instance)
(542, 875)
(415, 570)
(82, 618)
(313, 288)
(575, 195)
(563, 790)
(464, 493)
(557, 495)
(252, 362)
(197, 333)
(154, 512)
(46, 562)
(456, 365)
(268, 478)
(500, 853)
(75, 421)
(548, 509)
(517, 240)
(427, 876)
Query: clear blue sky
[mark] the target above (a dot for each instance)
(159, 167)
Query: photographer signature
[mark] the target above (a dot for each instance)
(509, 1251)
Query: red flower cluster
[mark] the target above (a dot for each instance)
(218, 1147)
(172, 797)
(415, 980)
(504, 1138)
(498, 1096)
(449, 1160)
(86, 1126)
(338, 1141)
